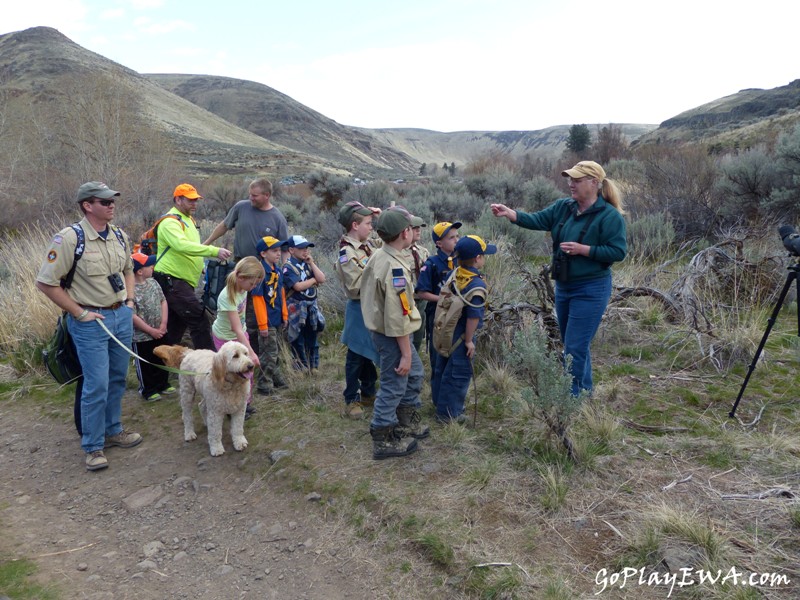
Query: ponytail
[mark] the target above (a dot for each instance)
(612, 195)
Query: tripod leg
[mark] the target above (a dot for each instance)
(792, 277)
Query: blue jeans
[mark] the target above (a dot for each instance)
(579, 309)
(359, 374)
(305, 348)
(451, 383)
(105, 366)
(395, 390)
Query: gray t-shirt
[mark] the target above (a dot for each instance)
(252, 224)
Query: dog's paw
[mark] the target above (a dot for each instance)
(189, 436)
(216, 450)
(240, 443)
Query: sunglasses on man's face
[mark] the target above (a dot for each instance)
(109, 202)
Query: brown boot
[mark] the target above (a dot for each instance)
(410, 422)
(388, 442)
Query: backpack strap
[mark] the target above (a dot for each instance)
(299, 273)
(155, 227)
(80, 246)
(450, 284)
(120, 238)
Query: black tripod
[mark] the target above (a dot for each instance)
(794, 272)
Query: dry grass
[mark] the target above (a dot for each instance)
(27, 317)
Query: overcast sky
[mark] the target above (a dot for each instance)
(451, 65)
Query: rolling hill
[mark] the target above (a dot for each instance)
(225, 125)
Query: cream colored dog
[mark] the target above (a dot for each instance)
(221, 379)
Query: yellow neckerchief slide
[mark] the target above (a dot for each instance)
(463, 277)
(272, 284)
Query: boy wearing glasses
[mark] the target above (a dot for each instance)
(179, 267)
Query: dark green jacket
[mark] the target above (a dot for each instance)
(605, 234)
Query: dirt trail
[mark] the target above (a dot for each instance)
(165, 520)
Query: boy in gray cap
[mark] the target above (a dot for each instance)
(387, 305)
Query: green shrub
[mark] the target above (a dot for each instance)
(650, 238)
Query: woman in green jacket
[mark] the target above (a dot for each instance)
(588, 233)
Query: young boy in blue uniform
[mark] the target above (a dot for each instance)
(269, 306)
(301, 276)
(453, 374)
(431, 277)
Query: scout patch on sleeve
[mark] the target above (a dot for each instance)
(52, 256)
(343, 256)
(58, 239)
(398, 278)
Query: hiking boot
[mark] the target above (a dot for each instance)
(96, 460)
(124, 439)
(410, 422)
(264, 389)
(354, 411)
(367, 400)
(249, 411)
(388, 442)
(280, 384)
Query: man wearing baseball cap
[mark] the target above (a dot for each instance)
(180, 266)
(96, 285)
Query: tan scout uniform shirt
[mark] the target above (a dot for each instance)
(352, 259)
(387, 294)
(101, 258)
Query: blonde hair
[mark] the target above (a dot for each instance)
(612, 195)
(249, 268)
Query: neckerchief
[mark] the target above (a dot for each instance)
(272, 286)
(464, 276)
(364, 246)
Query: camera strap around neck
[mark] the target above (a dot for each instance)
(587, 221)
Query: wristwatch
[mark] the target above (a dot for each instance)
(131, 300)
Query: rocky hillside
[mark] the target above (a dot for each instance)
(225, 125)
(746, 118)
(461, 147)
(276, 117)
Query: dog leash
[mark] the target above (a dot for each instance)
(132, 353)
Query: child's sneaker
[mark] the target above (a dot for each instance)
(153, 397)
(168, 391)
